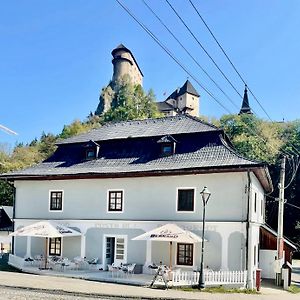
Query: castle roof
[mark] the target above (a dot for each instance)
(245, 109)
(164, 106)
(122, 47)
(186, 88)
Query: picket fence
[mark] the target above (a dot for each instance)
(211, 278)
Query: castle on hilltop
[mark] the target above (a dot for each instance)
(182, 100)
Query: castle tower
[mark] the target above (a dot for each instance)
(183, 100)
(245, 109)
(188, 99)
(124, 63)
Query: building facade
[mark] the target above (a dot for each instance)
(136, 176)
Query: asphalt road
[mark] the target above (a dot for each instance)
(11, 293)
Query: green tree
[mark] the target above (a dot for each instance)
(254, 137)
(46, 146)
(77, 127)
(130, 102)
(6, 193)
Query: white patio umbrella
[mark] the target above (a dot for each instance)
(169, 233)
(46, 229)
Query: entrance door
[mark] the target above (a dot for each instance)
(120, 250)
(115, 249)
(110, 250)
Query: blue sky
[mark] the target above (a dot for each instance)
(56, 56)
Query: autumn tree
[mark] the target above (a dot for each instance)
(130, 102)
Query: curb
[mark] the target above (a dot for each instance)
(90, 295)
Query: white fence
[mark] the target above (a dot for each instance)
(238, 278)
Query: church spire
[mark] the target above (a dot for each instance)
(245, 106)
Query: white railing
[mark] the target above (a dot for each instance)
(211, 278)
(16, 261)
(226, 277)
(180, 278)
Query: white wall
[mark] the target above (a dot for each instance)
(267, 263)
(145, 198)
(256, 189)
(224, 248)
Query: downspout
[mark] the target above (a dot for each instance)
(13, 218)
(248, 232)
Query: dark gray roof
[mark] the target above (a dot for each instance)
(166, 139)
(5, 219)
(186, 88)
(131, 149)
(245, 109)
(164, 106)
(199, 150)
(143, 128)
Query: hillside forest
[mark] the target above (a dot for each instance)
(251, 136)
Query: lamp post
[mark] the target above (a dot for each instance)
(205, 194)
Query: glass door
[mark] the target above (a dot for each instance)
(120, 250)
(110, 250)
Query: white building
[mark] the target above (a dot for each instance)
(123, 179)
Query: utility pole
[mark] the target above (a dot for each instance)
(280, 241)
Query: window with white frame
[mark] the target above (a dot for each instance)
(56, 199)
(115, 201)
(185, 200)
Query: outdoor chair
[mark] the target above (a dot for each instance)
(66, 264)
(38, 260)
(80, 263)
(29, 261)
(128, 269)
(93, 263)
(115, 268)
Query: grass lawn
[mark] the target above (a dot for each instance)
(294, 289)
(221, 290)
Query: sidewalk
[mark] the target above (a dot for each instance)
(91, 288)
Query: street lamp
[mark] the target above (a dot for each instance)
(205, 194)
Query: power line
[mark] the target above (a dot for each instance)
(276, 200)
(284, 152)
(153, 36)
(294, 174)
(293, 205)
(222, 49)
(232, 64)
(203, 48)
(190, 55)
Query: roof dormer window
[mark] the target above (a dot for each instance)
(168, 144)
(91, 150)
(167, 149)
(90, 154)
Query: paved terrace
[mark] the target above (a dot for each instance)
(93, 275)
(85, 288)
